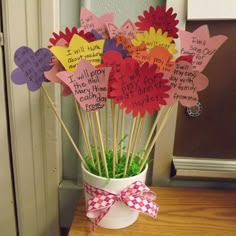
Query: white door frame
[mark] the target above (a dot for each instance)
(35, 133)
(7, 213)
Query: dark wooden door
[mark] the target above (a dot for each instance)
(213, 133)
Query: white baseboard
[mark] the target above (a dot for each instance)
(69, 194)
(210, 168)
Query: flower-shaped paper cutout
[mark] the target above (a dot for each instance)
(31, 67)
(153, 38)
(65, 38)
(88, 84)
(127, 29)
(188, 58)
(200, 45)
(89, 22)
(88, 36)
(159, 56)
(79, 49)
(111, 45)
(51, 75)
(112, 59)
(185, 83)
(159, 18)
(140, 89)
(121, 39)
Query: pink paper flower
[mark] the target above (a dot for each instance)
(200, 45)
(127, 29)
(185, 83)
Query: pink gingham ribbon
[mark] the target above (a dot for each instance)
(136, 196)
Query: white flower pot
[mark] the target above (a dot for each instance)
(120, 215)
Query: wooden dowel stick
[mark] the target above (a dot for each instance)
(114, 139)
(92, 128)
(154, 127)
(129, 146)
(118, 123)
(106, 124)
(100, 120)
(137, 139)
(101, 143)
(147, 153)
(122, 131)
(64, 127)
(86, 139)
(135, 133)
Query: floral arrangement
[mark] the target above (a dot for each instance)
(133, 69)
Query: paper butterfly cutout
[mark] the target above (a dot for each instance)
(79, 49)
(127, 29)
(200, 45)
(185, 83)
(141, 88)
(88, 84)
(89, 22)
(153, 38)
(31, 67)
(159, 18)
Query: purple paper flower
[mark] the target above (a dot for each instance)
(111, 45)
(31, 67)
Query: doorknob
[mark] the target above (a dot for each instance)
(195, 111)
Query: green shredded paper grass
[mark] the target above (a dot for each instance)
(132, 170)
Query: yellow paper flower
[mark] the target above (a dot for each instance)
(153, 38)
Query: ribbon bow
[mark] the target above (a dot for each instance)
(136, 196)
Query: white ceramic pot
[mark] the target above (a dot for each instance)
(120, 215)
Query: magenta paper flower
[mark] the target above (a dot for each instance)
(159, 18)
(200, 45)
(185, 83)
(31, 67)
(128, 29)
(88, 84)
(139, 88)
(91, 22)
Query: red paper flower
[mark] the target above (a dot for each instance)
(67, 36)
(139, 88)
(114, 60)
(159, 18)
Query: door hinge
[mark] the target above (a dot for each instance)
(1, 39)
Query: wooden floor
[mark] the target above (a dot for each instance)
(192, 212)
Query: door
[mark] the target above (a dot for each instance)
(203, 148)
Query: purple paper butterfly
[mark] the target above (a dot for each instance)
(31, 67)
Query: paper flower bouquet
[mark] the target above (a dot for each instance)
(130, 69)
